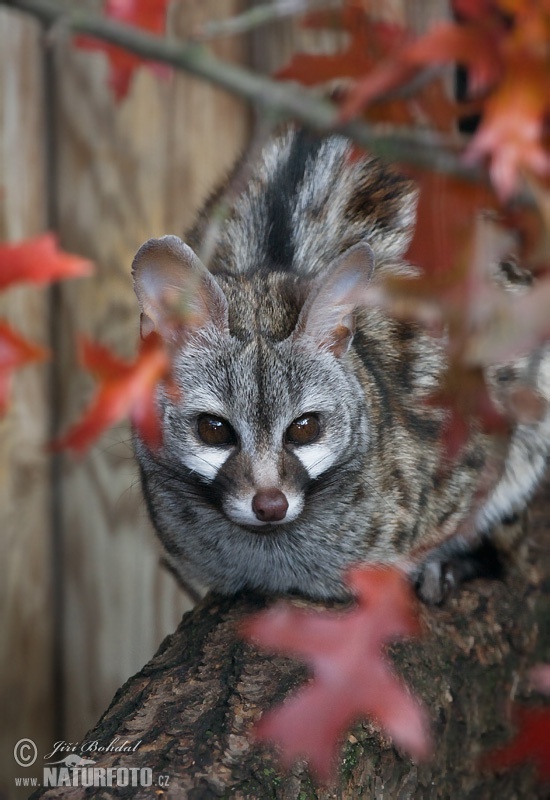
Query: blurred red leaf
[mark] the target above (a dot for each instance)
(126, 389)
(352, 677)
(39, 260)
(459, 250)
(533, 226)
(511, 132)
(504, 46)
(446, 214)
(15, 352)
(147, 14)
(474, 9)
(465, 396)
(530, 744)
(444, 43)
(371, 42)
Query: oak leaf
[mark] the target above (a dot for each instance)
(352, 677)
(444, 43)
(531, 744)
(512, 128)
(39, 261)
(147, 14)
(504, 47)
(458, 297)
(126, 389)
(371, 42)
(15, 352)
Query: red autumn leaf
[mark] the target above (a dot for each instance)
(15, 352)
(370, 42)
(446, 213)
(444, 43)
(511, 133)
(474, 9)
(147, 14)
(531, 743)
(465, 397)
(126, 389)
(352, 677)
(504, 46)
(39, 260)
(457, 292)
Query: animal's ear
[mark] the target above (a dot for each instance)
(176, 292)
(327, 316)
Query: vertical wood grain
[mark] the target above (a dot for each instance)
(125, 173)
(26, 621)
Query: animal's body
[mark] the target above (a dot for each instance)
(301, 441)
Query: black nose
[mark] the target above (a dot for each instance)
(269, 505)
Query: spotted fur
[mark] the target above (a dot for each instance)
(277, 333)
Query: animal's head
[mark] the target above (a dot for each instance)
(267, 405)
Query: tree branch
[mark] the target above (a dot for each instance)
(418, 148)
(187, 716)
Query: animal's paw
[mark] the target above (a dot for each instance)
(438, 577)
(434, 582)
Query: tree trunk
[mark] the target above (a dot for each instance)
(190, 710)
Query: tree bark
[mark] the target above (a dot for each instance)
(190, 711)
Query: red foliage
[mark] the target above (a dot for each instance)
(147, 14)
(502, 43)
(530, 744)
(352, 677)
(445, 42)
(445, 216)
(126, 389)
(15, 352)
(511, 133)
(39, 261)
(371, 43)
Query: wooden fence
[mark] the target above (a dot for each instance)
(83, 600)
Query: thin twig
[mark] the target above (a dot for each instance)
(257, 17)
(416, 147)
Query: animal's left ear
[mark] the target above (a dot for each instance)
(327, 316)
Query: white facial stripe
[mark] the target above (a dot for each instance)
(239, 510)
(207, 461)
(315, 458)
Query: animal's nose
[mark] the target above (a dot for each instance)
(269, 505)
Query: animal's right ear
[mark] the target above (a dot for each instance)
(176, 292)
(327, 317)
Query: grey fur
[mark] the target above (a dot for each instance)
(277, 334)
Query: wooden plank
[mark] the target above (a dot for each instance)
(125, 173)
(26, 619)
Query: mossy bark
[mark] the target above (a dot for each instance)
(192, 707)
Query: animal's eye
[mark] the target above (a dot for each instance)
(303, 430)
(215, 431)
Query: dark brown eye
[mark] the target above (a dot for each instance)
(304, 430)
(215, 431)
